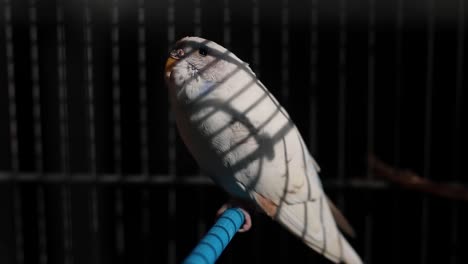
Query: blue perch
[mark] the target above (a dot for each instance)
(215, 241)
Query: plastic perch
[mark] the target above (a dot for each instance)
(215, 241)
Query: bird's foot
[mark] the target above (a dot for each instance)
(243, 207)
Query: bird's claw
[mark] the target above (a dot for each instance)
(247, 219)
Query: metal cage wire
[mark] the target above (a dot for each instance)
(92, 169)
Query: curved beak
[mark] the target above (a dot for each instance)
(170, 62)
(174, 56)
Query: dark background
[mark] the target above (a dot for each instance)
(92, 171)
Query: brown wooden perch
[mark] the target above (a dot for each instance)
(411, 180)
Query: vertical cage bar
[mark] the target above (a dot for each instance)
(67, 224)
(370, 120)
(116, 88)
(456, 139)
(11, 87)
(429, 89)
(256, 37)
(398, 78)
(38, 145)
(284, 89)
(36, 96)
(171, 118)
(285, 51)
(116, 103)
(427, 126)
(227, 40)
(459, 86)
(197, 18)
(17, 204)
(342, 53)
(171, 207)
(42, 229)
(314, 13)
(172, 250)
(62, 89)
(370, 83)
(227, 24)
(397, 111)
(64, 136)
(143, 97)
(201, 227)
(257, 70)
(119, 225)
(18, 225)
(89, 83)
(145, 223)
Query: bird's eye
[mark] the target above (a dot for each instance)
(202, 51)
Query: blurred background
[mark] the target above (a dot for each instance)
(92, 169)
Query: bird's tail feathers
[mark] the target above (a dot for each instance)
(313, 222)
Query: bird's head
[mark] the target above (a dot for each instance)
(194, 57)
(201, 63)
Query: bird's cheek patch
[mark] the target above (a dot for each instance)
(205, 88)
